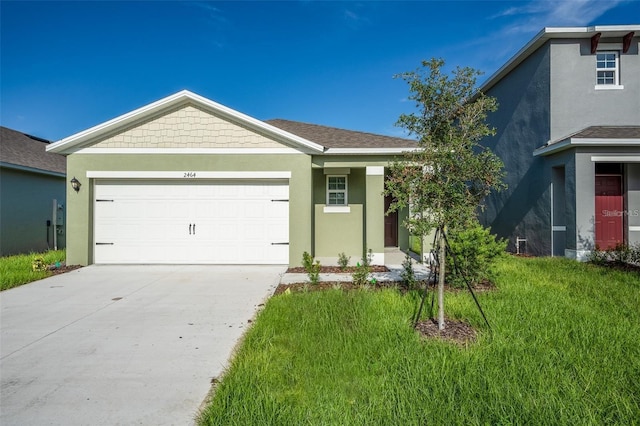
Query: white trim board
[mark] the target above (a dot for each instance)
(375, 170)
(186, 175)
(336, 209)
(615, 158)
(189, 151)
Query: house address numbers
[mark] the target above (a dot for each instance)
(189, 174)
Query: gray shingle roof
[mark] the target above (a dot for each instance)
(28, 151)
(609, 132)
(331, 137)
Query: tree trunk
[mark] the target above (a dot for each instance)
(443, 250)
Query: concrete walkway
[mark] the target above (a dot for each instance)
(107, 345)
(393, 262)
(394, 274)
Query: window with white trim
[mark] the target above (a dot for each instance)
(607, 69)
(336, 190)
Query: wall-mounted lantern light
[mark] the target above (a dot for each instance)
(75, 184)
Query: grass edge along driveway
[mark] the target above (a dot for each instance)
(564, 351)
(17, 270)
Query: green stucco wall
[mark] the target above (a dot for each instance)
(80, 213)
(374, 228)
(338, 232)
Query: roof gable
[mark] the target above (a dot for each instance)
(28, 152)
(148, 121)
(188, 127)
(548, 33)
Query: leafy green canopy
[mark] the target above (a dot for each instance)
(450, 173)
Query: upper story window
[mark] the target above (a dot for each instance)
(607, 70)
(337, 190)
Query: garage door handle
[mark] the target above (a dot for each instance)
(194, 229)
(189, 229)
(279, 244)
(104, 244)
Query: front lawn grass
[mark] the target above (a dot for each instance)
(565, 349)
(17, 270)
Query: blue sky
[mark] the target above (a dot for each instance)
(67, 66)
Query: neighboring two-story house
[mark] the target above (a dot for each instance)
(568, 131)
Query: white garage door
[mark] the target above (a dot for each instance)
(236, 222)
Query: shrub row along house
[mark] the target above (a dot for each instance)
(187, 180)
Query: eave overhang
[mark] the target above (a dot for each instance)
(569, 143)
(31, 169)
(368, 151)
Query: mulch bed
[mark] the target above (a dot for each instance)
(337, 269)
(457, 332)
(621, 266)
(63, 268)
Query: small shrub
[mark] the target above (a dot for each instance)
(361, 273)
(475, 251)
(597, 256)
(343, 261)
(38, 264)
(312, 268)
(621, 253)
(408, 274)
(368, 258)
(634, 257)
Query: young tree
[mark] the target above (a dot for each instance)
(445, 180)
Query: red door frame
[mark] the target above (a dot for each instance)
(609, 214)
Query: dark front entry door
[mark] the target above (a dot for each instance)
(609, 211)
(390, 225)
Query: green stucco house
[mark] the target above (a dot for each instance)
(187, 180)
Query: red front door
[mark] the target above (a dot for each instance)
(609, 218)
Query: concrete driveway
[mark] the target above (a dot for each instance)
(107, 345)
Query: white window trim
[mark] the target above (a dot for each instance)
(616, 72)
(345, 190)
(336, 209)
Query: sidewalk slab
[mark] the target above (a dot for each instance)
(393, 275)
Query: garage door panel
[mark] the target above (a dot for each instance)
(149, 222)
